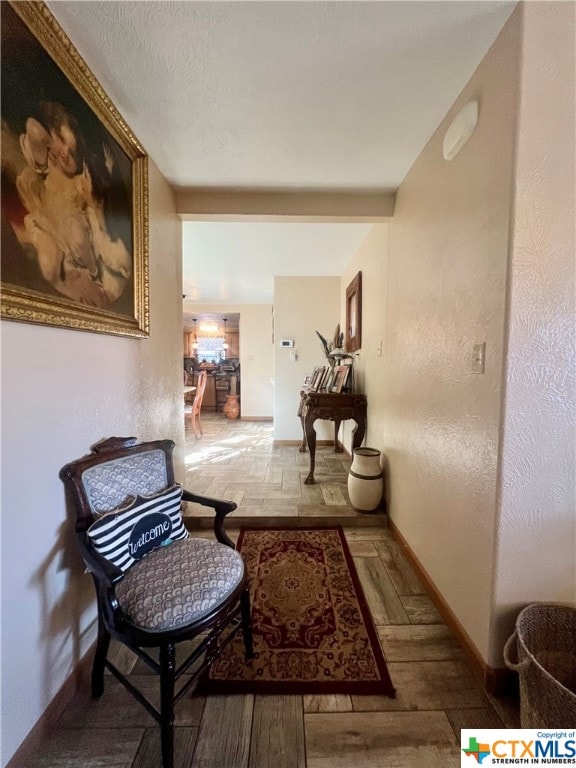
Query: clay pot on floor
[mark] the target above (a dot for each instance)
(365, 480)
(231, 407)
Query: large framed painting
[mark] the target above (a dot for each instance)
(74, 188)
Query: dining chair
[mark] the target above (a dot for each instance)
(189, 382)
(197, 403)
(222, 390)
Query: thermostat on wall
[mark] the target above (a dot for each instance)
(286, 342)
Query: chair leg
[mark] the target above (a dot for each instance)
(102, 645)
(167, 678)
(246, 624)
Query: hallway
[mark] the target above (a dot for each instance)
(437, 693)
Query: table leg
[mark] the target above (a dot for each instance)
(302, 448)
(311, 438)
(337, 447)
(359, 431)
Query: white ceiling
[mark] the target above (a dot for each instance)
(239, 251)
(305, 95)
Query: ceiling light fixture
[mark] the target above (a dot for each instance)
(225, 345)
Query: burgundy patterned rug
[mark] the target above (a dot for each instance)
(312, 628)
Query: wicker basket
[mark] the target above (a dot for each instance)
(544, 644)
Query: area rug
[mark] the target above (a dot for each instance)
(313, 633)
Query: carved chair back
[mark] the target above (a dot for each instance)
(117, 469)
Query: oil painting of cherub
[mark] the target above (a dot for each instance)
(67, 217)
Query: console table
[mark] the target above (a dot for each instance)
(332, 406)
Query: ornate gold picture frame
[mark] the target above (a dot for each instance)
(74, 188)
(353, 335)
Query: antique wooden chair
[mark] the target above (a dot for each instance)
(155, 585)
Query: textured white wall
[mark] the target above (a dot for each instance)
(256, 361)
(371, 362)
(63, 390)
(536, 558)
(302, 306)
(493, 522)
(438, 422)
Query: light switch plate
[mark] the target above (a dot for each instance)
(478, 355)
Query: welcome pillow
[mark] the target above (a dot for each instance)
(125, 535)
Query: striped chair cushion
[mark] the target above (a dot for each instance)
(175, 586)
(125, 535)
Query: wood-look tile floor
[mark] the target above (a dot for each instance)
(237, 460)
(437, 693)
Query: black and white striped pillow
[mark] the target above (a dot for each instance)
(125, 535)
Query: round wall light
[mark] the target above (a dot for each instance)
(460, 130)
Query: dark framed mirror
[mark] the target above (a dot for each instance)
(353, 335)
